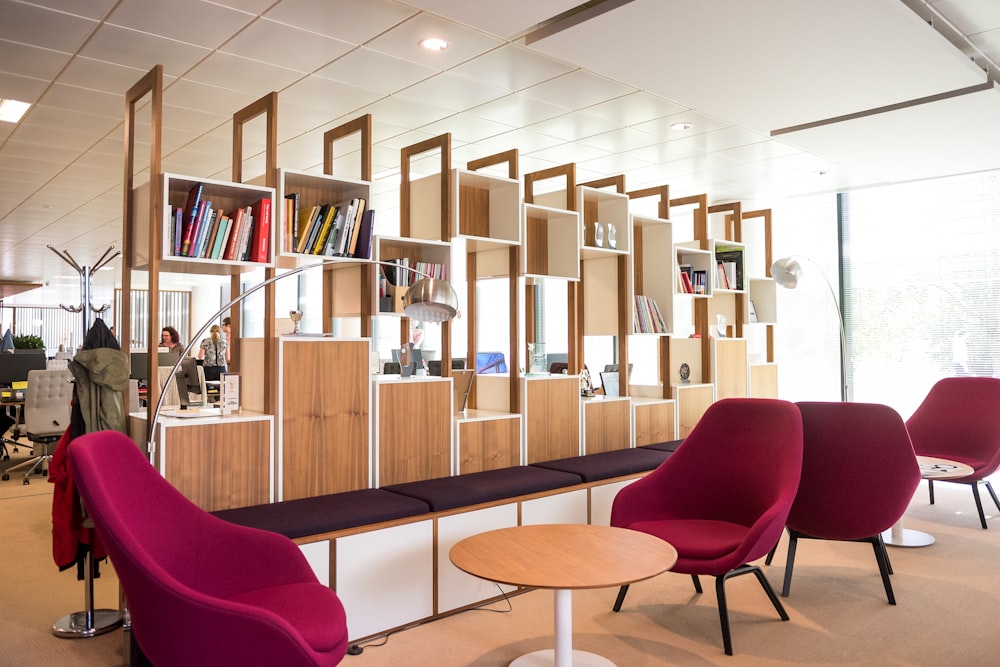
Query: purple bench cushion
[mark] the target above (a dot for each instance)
(669, 446)
(605, 465)
(322, 514)
(445, 493)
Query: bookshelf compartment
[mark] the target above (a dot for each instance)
(730, 267)
(697, 264)
(607, 208)
(487, 210)
(551, 246)
(417, 252)
(312, 190)
(652, 278)
(223, 195)
(763, 298)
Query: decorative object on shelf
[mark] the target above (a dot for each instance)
(427, 300)
(720, 328)
(229, 393)
(684, 372)
(586, 383)
(753, 314)
(296, 317)
(598, 235)
(612, 236)
(786, 272)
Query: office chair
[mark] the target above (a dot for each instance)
(46, 416)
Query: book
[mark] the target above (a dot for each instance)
(314, 228)
(177, 238)
(220, 237)
(191, 234)
(351, 209)
(352, 242)
(291, 221)
(363, 249)
(307, 218)
(734, 274)
(260, 245)
(338, 228)
(190, 214)
(236, 229)
(721, 282)
(325, 231)
(246, 234)
(686, 285)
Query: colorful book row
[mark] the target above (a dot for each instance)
(201, 231)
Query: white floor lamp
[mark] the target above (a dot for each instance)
(786, 272)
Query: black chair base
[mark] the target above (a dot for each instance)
(878, 545)
(975, 494)
(720, 594)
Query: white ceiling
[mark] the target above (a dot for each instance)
(786, 97)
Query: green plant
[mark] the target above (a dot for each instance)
(28, 342)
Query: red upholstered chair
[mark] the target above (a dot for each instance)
(721, 500)
(858, 476)
(202, 591)
(959, 419)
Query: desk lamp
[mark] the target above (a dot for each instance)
(786, 272)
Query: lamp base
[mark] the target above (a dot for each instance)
(82, 624)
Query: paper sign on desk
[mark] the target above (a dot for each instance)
(230, 393)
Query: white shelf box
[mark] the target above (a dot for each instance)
(763, 296)
(701, 262)
(733, 258)
(551, 246)
(385, 248)
(313, 190)
(606, 208)
(174, 189)
(486, 210)
(652, 240)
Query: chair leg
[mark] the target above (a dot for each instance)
(793, 542)
(720, 593)
(697, 583)
(621, 598)
(989, 487)
(930, 489)
(770, 554)
(979, 504)
(882, 558)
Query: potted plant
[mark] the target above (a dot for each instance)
(28, 342)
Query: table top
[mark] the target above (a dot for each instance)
(564, 556)
(936, 468)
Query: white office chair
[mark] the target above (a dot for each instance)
(46, 416)
(169, 389)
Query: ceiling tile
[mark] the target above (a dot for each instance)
(142, 51)
(403, 41)
(47, 116)
(242, 74)
(38, 26)
(506, 19)
(573, 126)
(451, 92)
(466, 128)
(577, 90)
(100, 75)
(81, 99)
(30, 61)
(518, 111)
(93, 9)
(285, 46)
(329, 98)
(369, 69)
(722, 139)
(21, 88)
(354, 21)
(173, 20)
(512, 67)
(634, 108)
(403, 113)
(205, 97)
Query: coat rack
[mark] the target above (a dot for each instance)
(90, 622)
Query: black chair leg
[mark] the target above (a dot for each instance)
(793, 542)
(930, 489)
(883, 566)
(697, 583)
(720, 593)
(770, 554)
(621, 598)
(993, 495)
(979, 504)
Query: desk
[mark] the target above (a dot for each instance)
(563, 557)
(930, 468)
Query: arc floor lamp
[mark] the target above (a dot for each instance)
(428, 299)
(786, 272)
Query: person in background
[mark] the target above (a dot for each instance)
(170, 339)
(226, 328)
(214, 351)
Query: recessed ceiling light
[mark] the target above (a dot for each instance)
(681, 126)
(434, 44)
(12, 110)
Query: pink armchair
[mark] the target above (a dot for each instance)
(202, 591)
(721, 500)
(959, 419)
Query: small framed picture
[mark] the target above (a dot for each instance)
(753, 313)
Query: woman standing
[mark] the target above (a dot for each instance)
(214, 351)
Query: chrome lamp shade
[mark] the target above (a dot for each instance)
(430, 300)
(786, 272)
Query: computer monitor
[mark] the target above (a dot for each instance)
(416, 357)
(137, 371)
(462, 380)
(490, 362)
(188, 382)
(613, 368)
(434, 366)
(14, 366)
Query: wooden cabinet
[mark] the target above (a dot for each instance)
(551, 417)
(607, 424)
(413, 427)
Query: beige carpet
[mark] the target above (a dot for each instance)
(948, 595)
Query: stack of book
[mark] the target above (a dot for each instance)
(199, 230)
(646, 316)
(329, 230)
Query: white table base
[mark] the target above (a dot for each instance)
(898, 536)
(563, 655)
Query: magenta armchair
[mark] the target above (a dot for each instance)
(959, 419)
(200, 590)
(858, 476)
(721, 500)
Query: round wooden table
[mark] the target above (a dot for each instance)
(563, 557)
(930, 468)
